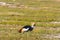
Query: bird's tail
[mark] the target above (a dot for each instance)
(20, 30)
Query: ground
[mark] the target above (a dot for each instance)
(45, 13)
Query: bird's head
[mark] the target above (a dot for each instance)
(33, 24)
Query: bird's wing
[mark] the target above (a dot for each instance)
(25, 29)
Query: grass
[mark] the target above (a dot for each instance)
(42, 12)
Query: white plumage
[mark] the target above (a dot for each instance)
(27, 28)
(24, 30)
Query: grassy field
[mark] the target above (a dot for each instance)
(46, 14)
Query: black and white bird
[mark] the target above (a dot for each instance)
(27, 28)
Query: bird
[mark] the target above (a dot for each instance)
(27, 28)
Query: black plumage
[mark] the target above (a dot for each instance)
(27, 28)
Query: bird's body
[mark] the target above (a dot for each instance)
(27, 28)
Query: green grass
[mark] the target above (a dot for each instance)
(12, 19)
